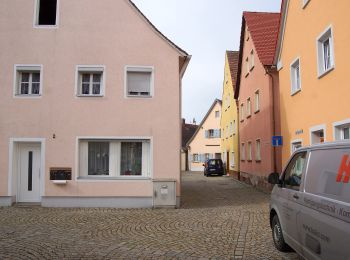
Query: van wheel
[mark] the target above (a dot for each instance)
(277, 235)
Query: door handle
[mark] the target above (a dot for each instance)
(295, 196)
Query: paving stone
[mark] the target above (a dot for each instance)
(236, 226)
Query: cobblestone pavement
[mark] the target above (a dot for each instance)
(220, 218)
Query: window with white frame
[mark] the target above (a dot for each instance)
(258, 150)
(249, 151)
(342, 130)
(234, 127)
(247, 66)
(228, 100)
(295, 76)
(212, 133)
(90, 80)
(231, 128)
(114, 158)
(325, 52)
(195, 157)
(217, 114)
(257, 101)
(232, 160)
(296, 145)
(252, 60)
(249, 107)
(242, 151)
(241, 114)
(46, 12)
(227, 132)
(139, 81)
(28, 80)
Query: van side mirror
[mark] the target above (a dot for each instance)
(274, 178)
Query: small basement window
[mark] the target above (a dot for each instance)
(46, 12)
(139, 81)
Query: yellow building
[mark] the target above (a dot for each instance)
(229, 119)
(312, 58)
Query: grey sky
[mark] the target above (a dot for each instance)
(205, 29)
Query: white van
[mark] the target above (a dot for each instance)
(310, 203)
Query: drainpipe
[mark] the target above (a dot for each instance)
(269, 71)
(239, 142)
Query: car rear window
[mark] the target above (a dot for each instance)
(328, 174)
(214, 162)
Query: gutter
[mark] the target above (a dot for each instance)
(184, 67)
(269, 70)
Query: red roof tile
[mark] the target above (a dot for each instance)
(233, 58)
(263, 28)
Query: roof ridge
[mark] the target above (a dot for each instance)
(254, 12)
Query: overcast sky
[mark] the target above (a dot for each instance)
(205, 29)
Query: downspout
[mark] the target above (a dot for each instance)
(239, 143)
(269, 70)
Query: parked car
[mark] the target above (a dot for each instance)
(310, 203)
(213, 166)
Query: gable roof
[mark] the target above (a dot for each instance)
(263, 28)
(188, 131)
(172, 44)
(203, 120)
(232, 58)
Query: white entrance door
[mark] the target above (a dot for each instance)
(29, 173)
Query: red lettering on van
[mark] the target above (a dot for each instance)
(344, 168)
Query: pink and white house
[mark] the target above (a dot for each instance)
(91, 93)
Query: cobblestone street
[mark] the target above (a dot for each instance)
(220, 218)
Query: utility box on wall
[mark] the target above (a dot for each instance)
(164, 193)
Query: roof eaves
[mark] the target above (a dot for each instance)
(283, 19)
(239, 71)
(177, 48)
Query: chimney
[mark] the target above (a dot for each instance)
(183, 121)
(194, 121)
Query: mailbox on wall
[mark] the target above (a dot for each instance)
(60, 174)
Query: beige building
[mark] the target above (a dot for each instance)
(205, 143)
(89, 100)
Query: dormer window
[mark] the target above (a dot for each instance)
(46, 13)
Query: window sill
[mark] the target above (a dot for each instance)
(324, 73)
(249, 116)
(37, 26)
(295, 92)
(242, 160)
(90, 96)
(26, 96)
(247, 74)
(137, 97)
(256, 111)
(119, 178)
(251, 68)
(249, 160)
(258, 160)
